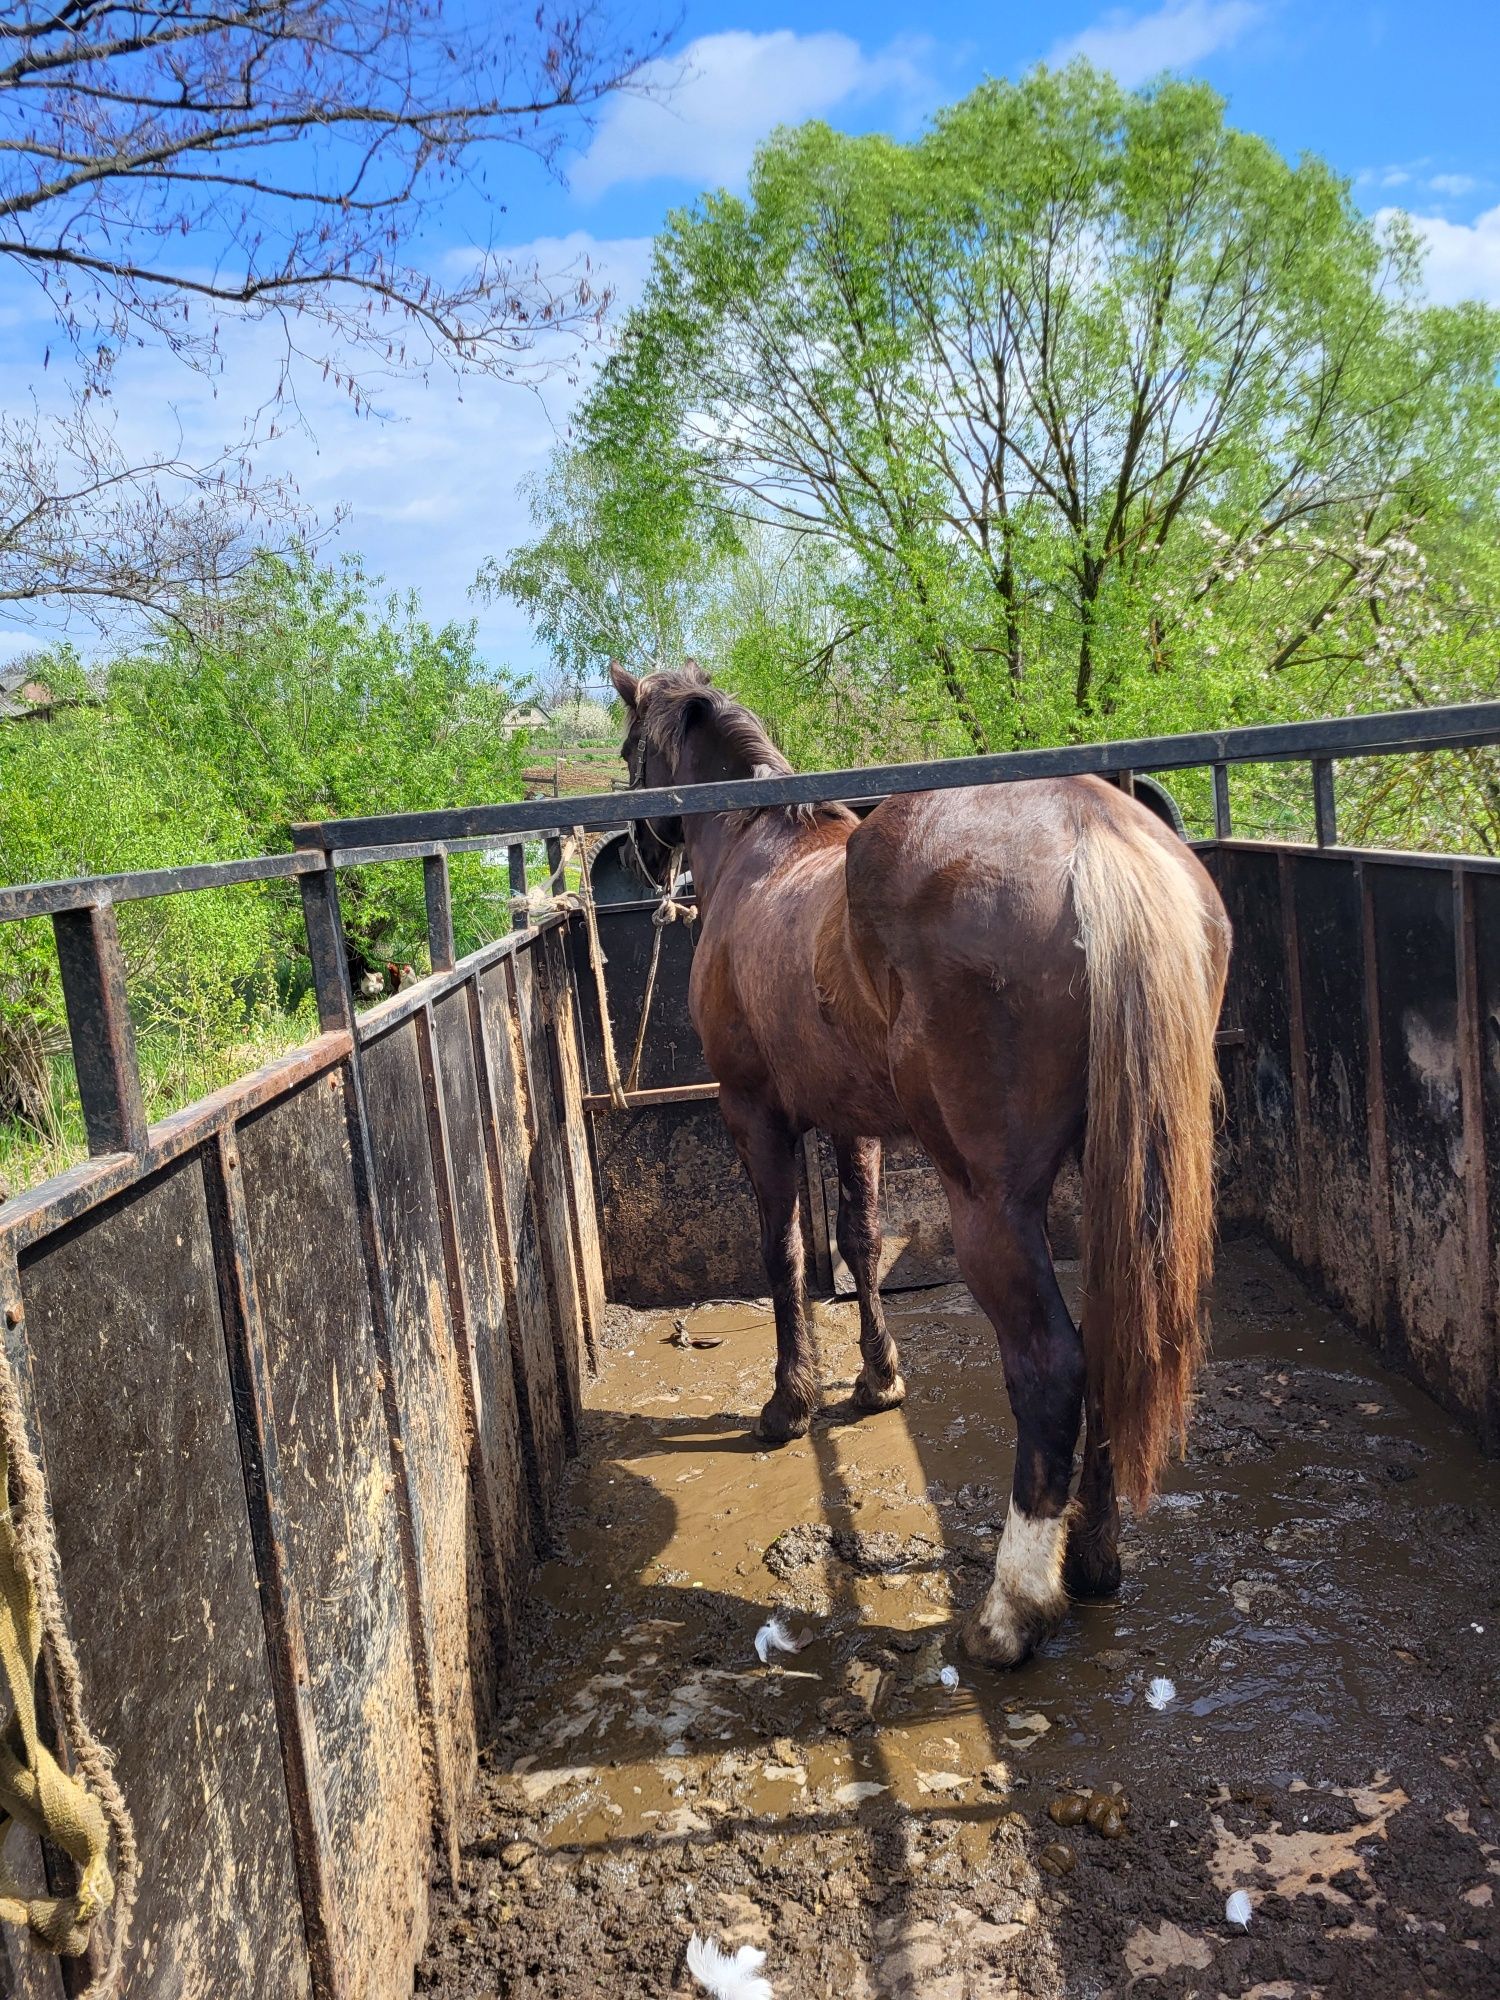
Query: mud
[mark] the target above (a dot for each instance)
(1320, 1581)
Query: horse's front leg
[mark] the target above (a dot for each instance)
(880, 1386)
(767, 1144)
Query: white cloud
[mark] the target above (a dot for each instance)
(1463, 258)
(1454, 184)
(430, 486)
(1135, 47)
(726, 92)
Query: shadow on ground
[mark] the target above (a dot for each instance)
(1320, 1582)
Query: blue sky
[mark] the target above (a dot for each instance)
(1401, 100)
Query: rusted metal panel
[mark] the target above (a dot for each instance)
(1261, 1185)
(539, 1395)
(427, 1378)
(1337, 1192)
(281, 1607)
(344, 1544)
(1419, 1029)
(556, 961)
(549, 1179)
(677, 1208)
(1478, 912)
(497, 1470)
(133, 1402)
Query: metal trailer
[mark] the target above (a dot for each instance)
(303, 1362)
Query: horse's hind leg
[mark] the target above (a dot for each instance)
(1003, 1254)
(1092, 1568)
(880, 1386)
(767, 1144)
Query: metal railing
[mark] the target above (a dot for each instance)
(93, 970)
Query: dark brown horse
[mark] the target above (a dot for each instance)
(1008, 972)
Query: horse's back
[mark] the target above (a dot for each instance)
(979, 877)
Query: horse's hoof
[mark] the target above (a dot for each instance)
(1090, 1575)
(1007, 1633)
(867, 1397)
(780, 1422)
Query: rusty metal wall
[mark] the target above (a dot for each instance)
(1364, 1104)
(303, 1374)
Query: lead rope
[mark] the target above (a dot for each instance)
(612, 1081)
(668, 911)
(35, 1791)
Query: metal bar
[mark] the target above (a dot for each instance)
(383, 1319)
(1126, 782)
(1223, 818)
(66, 1196)
(1389, 857)
(520, 916)
(286, 1641)
(485, 1505)
(99, 1027)
(45, 899)
(549, 970)
(1304, 1227)
(1481, 1287)
(439, 896)
(505, 1244)
(555, 1280)
(329, 954)
(1376, 1129)
(1282, 742)
(817, 1208)
(1325, 815)
(649, 1100)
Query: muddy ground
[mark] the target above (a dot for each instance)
(1320, 1582)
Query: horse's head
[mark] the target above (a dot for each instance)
(653, 750)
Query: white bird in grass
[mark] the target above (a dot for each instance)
(727, 1978)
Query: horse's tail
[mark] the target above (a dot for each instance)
(1155, 957)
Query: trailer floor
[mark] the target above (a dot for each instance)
(1320, 1580)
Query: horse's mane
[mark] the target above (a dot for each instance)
(674, 703)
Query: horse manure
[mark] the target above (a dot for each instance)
(1057, 1858)
(1068, 1809)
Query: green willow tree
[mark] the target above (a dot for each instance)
(1088, 413)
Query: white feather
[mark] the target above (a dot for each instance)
(727, 1978)
(774, 1636)
(1161, 1692)
(949, 1678)
(1239, 1909)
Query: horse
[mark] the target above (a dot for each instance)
(1012, 973)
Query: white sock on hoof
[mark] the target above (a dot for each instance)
(1028, 1587)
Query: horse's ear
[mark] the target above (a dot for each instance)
(627, 686)
(693, 672)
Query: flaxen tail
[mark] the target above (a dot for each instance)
(1155, 947)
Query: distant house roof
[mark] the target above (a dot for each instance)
(23, 696)
(525, 718)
